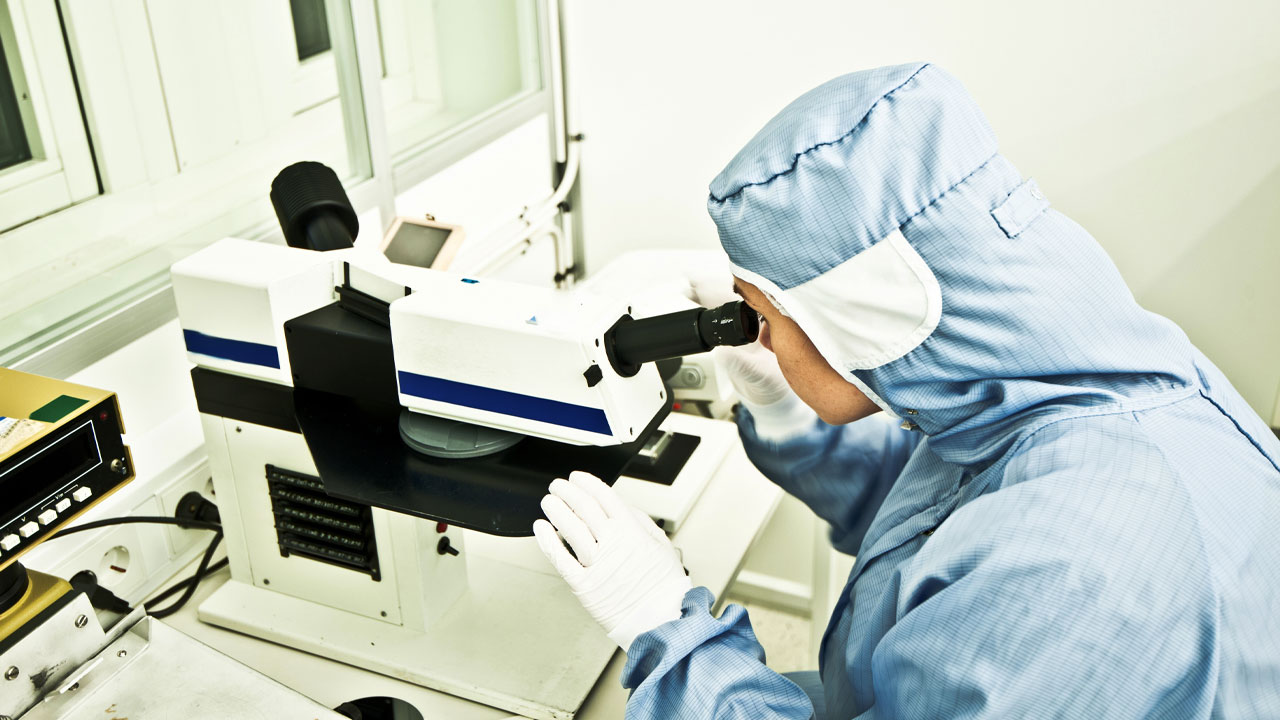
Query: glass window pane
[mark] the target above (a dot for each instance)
(227, 103)
(310, 27)
(238, 97)
(14, 148)
(449, 62)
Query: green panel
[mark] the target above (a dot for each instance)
(57, 409)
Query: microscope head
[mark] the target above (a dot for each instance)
(565, 366)
(449, 397)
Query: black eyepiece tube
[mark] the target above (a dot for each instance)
(313, 208)
(631, 343)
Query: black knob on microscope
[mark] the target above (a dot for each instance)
(313, 208)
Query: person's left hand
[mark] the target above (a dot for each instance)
(627, 574)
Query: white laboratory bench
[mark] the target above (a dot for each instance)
(721, 527)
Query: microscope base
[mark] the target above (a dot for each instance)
(516, 639)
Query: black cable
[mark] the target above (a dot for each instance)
(182, 584)
(153, 519)
(86, 581)
(190, 583)
(195, 580)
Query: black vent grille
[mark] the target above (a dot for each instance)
(314, 525)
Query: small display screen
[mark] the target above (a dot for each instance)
(416, 244)
(31, 481)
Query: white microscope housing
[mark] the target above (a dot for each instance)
(361, 414)
(518, 358)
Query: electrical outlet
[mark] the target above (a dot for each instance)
(134, 560)
(124, 557)
(196, 478)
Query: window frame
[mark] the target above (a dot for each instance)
(15, 98)
(415, 158)
(62, 170)
(55, 337)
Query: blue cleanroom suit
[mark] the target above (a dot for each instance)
(1082, 516)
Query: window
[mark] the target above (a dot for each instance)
(153, 128)
(310, 27)
(192, 108)
(14, 147)
(45, 159)
(450, 63)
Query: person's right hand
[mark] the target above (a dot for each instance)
(753, 370)
(755, 374)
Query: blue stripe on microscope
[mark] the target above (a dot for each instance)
(228, 349)
(504, 402)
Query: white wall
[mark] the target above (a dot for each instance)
(1153, 123)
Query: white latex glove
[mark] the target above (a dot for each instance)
(627, 574)
(752, 368)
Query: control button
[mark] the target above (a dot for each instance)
(62, 505)
(28, 530)
(47, 517)
(81, 494)
(9, 542)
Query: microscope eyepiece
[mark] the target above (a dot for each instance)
(313, 208)
(630, 343)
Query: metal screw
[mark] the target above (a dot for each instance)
(384, 613)
(11, 673)
(122, 653)
(237, 428)
(82, 621)
(266, 581)
(911, 412)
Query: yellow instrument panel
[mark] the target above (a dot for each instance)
(60, 454)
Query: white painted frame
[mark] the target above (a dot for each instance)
(412, 94)
(152, 215)
(61, 171)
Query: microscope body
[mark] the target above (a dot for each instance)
(338, 534)
(520, 358)
(525, 359)
(360, 415)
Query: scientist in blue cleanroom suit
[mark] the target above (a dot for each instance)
(1072, 513)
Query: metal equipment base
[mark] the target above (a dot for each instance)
(515, 640)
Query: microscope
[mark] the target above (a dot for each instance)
(361, 412)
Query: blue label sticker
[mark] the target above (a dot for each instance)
(228, 349)
(503, 402)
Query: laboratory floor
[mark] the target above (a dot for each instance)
(784, 636)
